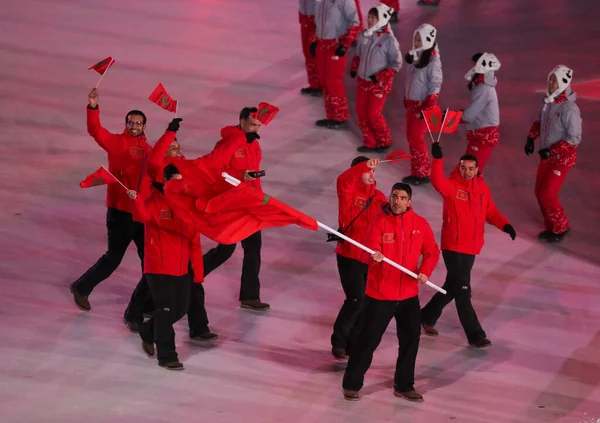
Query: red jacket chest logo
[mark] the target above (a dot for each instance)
(240, 153)
(135, 151)
(166, 215)
(360, 202)
(389, 238)
(462, 195)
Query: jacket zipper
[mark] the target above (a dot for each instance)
(402, 255)
(476, 216)
(368, 61)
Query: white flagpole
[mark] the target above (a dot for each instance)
(236, 182)
(114, 177)
(443, 122)
(427, 124)
(102, 76)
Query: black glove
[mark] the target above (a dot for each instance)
(313, 49)
(174, 125)
(530, 146)
(436, 150)
(352, 74)
(545, 153)
(251, 136)
(341, 50)
(373, 78)
(508, 228)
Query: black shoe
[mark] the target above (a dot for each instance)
(339, 353)
(544, 235)
(322, 122)
(482, 343)
(172, 365)
(554, 238)
(382, 149)
(415, 180)
(81, 301)
(428, 3)
(204, 336)
(254, 305)
(337, 124)
(413, 395)
(365, 149)
(133, 326)
(315, 92)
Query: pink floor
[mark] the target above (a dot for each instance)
(538, 303)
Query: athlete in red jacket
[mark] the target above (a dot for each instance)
(238, 153)
(358, 201)
(404, 237)
(170, 245)
(127, 153)
(468, 205)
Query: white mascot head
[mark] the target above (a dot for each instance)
(486, 63)
(428, 35)
(564, 76)
(384, 14)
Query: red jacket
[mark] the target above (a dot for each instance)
(158, 159)
(169, 244)
(126, 160)
(468, 205)
(235, 155)
(353, 194)
(403, 239)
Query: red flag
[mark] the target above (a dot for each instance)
(396, 156)
(266, 112)
(452, 120)
(103, 66)
(99, 177)
(162, 99)
(434, 118)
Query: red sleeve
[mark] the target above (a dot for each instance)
(430, 101)
(107, 140)
(493, 215)
(440, 183)
(345, 191)
(355, 63)
(140, 210)
(347, 39)
(534, 131)
(196, 258)
(429, 250)
(385, 79)
(222, 155)
(158, 153)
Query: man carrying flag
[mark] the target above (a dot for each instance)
(239, 154)
(127, 154)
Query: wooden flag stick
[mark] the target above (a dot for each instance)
(102, 76)
(114, 177)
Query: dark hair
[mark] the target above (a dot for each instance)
(373, 11)
(403, 187)
(169, 171)
(470, 158)
(358, 160)
(425, 57)
(246, 111)
(136, 112)
(476, 57)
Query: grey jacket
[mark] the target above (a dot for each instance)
(423, 82)
(307, 7)
(560, 121)
(334, 18)
(377, 53)
(483, 110)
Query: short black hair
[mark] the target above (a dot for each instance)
(246, 111)
(136, 112)
(169, 171)
(476, 57)
(469, 157)
(403, 187)
(358, 160)
(373, 11)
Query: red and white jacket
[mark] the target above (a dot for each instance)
(353, 194)
(127, 156)
(403, 239)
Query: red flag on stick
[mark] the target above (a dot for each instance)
(103, 65)
(99, 177)
(434, 118)
(396, 156)
(160, 97)
(452, 120)
(266, 112)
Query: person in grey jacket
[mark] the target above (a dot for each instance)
(482, 115)
(559, 131)
(377, 60)
(337, 27)
(421, 91)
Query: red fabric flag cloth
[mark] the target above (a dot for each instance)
(452, 121)
(103, 66)
(160, 97)
(99, 177)
(433, 116)
(396, 156)
(266, 113)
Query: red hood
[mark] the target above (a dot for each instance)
(228, 131)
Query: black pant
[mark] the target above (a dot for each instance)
(141, 301)
(122, 229)
(377, 315)
(353, 275)
(458, 285)
(250, 287)
(171, 297)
